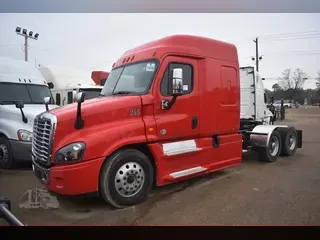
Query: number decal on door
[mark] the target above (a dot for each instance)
(134, 112)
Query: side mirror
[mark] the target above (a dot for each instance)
(46, 102)
(175, 87)
(176, 81)
(50, 85)
(79, 97)
(74, 94)
(19, 105)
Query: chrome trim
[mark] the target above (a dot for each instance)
(187, 172)
(43, 171)
(44, 130)
(180, 147)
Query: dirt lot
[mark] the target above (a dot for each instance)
(284, 192)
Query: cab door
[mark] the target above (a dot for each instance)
(182, 120)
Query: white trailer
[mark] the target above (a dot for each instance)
(259, 133)
(22, 97)
(66, 82)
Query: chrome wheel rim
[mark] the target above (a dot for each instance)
(129, 179)
(4, 153)
(292, 141)
(274, 146)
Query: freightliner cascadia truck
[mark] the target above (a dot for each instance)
(24, 93)
(173, 109)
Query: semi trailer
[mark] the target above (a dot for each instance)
(174, 108)
(66, 82)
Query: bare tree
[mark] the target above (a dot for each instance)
(292, 79)
(276, 87)
(318, 80)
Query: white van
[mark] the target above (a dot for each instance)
(22, 97)
(65, 82)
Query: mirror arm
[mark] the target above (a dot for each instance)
(79, 123)
(167, 104)
(24, 119)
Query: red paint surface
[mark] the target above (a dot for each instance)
(215, 99)
(97, 76)
(75, 179)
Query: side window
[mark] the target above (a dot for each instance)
(187, 78)
(58, 99)
(70, 98)
(265, 98)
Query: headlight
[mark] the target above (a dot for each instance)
(70, 153)
(24, 135)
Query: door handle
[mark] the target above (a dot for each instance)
(194, 122)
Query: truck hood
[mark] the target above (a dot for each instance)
(29, 110)
(101, 108)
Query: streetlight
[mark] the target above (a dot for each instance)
(26, 35)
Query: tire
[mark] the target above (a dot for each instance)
(289, 139)
(269, 154)
(126, 178)
(6, 156)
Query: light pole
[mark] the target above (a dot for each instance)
(26, 35)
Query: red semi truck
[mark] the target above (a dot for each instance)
(170, 111)
(99, 77)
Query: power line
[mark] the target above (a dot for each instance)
(284, 36)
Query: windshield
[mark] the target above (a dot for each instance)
(90, 92)
(27, 93)
(131, 79)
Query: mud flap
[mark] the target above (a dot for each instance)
(299, 133)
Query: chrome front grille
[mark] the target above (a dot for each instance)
(43, 132)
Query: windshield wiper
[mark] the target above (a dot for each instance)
(4, 102)
(37, 102)
(123, 92)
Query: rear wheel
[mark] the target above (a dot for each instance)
(126, 178)
(6, 158)
(289, 139)
(273, 150)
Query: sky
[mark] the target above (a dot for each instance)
(95, 41)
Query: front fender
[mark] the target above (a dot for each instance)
(10, 127)
(103, 139)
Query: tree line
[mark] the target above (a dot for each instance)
(290, 87)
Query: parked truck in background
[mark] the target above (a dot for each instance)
(66, 82)
(173, 109)
(22, 94)
(99, 77)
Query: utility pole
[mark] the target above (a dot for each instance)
(257, 53)
(257, 58)
(26, 36)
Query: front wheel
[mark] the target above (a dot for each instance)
(126, 178)
(273, 150)
(6, 158)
